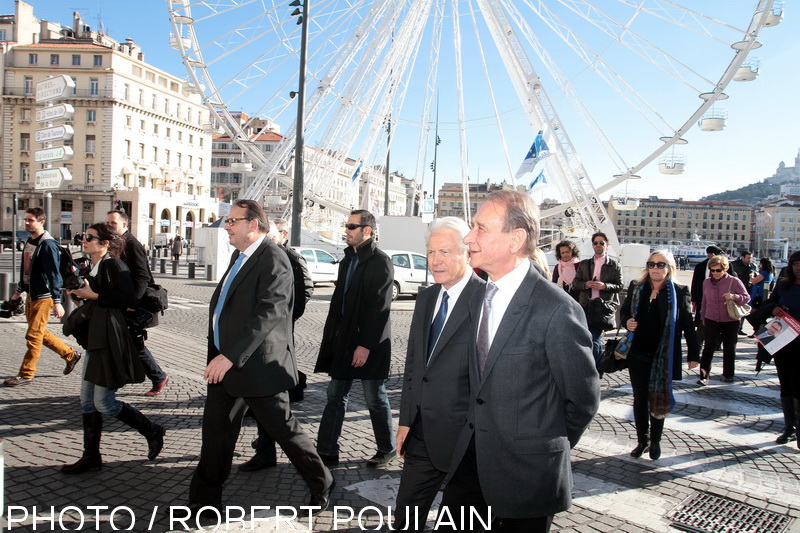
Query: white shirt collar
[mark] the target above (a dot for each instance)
(455, 291)
(250, 250)
(509, 283)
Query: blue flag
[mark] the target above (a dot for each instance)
(357, 172)
(539, 150)
(538, 182)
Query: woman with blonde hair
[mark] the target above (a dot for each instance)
(718, 289)
(657, 310)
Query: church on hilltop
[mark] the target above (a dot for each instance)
(785, 174)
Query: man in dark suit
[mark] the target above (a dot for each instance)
(356, 341)
(700, 274)
(265, 456)
(251, 361)
(435, 398)
(533, 384)
(136, 259)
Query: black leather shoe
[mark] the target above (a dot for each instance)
(655, 451)
(257, 462)
(70, 366)
(323, 499)
(640, 449)
(329, 460)
(785, 437)
(381, 459)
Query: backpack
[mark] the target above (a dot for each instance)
(155, 299)
(69, 268)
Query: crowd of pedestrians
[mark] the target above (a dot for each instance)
(500, 378)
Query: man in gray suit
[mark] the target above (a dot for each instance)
(533, 384)
(251, 362)
(435, 398)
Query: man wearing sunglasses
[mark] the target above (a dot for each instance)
(598, 277)
(41, 278)
(356, 341)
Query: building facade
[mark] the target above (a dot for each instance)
(658, 222)
(450, 201)
(141, 138)
(778, 224)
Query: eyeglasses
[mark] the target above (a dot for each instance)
(715, 270)
(232, 221)
(598, 243)
(89, 237)
(355, 226)
(661, 265)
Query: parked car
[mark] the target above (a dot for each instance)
(322, 265)
(7, 239)
(409, 272)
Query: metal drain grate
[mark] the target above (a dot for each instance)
(709, 513)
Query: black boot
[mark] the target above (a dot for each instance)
(656, 429)
(154, 433)
(787, 404)
(642, 447)
(90, 461)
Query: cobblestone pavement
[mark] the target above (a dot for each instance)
(719, 439)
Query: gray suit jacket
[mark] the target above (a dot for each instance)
(536, 397)
(255, 325)
(437, 392)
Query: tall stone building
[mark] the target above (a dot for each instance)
(141, 135)
(662, 222)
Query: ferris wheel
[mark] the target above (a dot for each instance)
(621, 81)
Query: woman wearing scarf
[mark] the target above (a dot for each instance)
(718, 289)
(657, 311)
(564, 272)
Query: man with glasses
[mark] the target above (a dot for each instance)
(136, 258)
(598, 277)
(251, 362)
(356, 341)
(40, 277)
(264, 445)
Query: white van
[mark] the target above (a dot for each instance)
(409, 272)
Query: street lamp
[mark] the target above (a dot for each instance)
(297, 189)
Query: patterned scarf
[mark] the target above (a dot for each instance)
(660, 386)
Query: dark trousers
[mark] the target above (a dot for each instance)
(419, 483)
(151, 368)
(729, 333)
(699, 328)
(639, 367)
(464, 490)
(222, 421)
(787, 363)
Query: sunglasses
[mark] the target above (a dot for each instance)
(598, 243)
(232, 221)
(89, 238)
(715, 270)
(661, 265)
(355, 226)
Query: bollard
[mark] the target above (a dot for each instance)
(4, 285)
(153, 261)
(209, 272)
(163, 269)
(175, 268)
(67, 303)
(191, 270)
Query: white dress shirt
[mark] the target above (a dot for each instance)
(506, 288)
(453, 294)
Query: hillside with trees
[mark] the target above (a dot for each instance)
(749, 194)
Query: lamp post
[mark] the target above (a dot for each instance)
(297, 189)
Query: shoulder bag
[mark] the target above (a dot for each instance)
(736, 311)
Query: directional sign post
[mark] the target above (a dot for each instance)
(56, 112)
(59, 153)
(56, 133)
(50, 178)
(53, 88)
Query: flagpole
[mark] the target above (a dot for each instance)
(435, 156)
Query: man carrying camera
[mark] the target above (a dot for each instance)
(135, 257)
(41, 279)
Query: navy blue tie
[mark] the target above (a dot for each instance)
(437, 325)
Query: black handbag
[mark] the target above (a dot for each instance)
(600, 314)
(608, 363)
(155, 299)
(137, 320)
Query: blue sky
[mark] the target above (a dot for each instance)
(762, 128)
